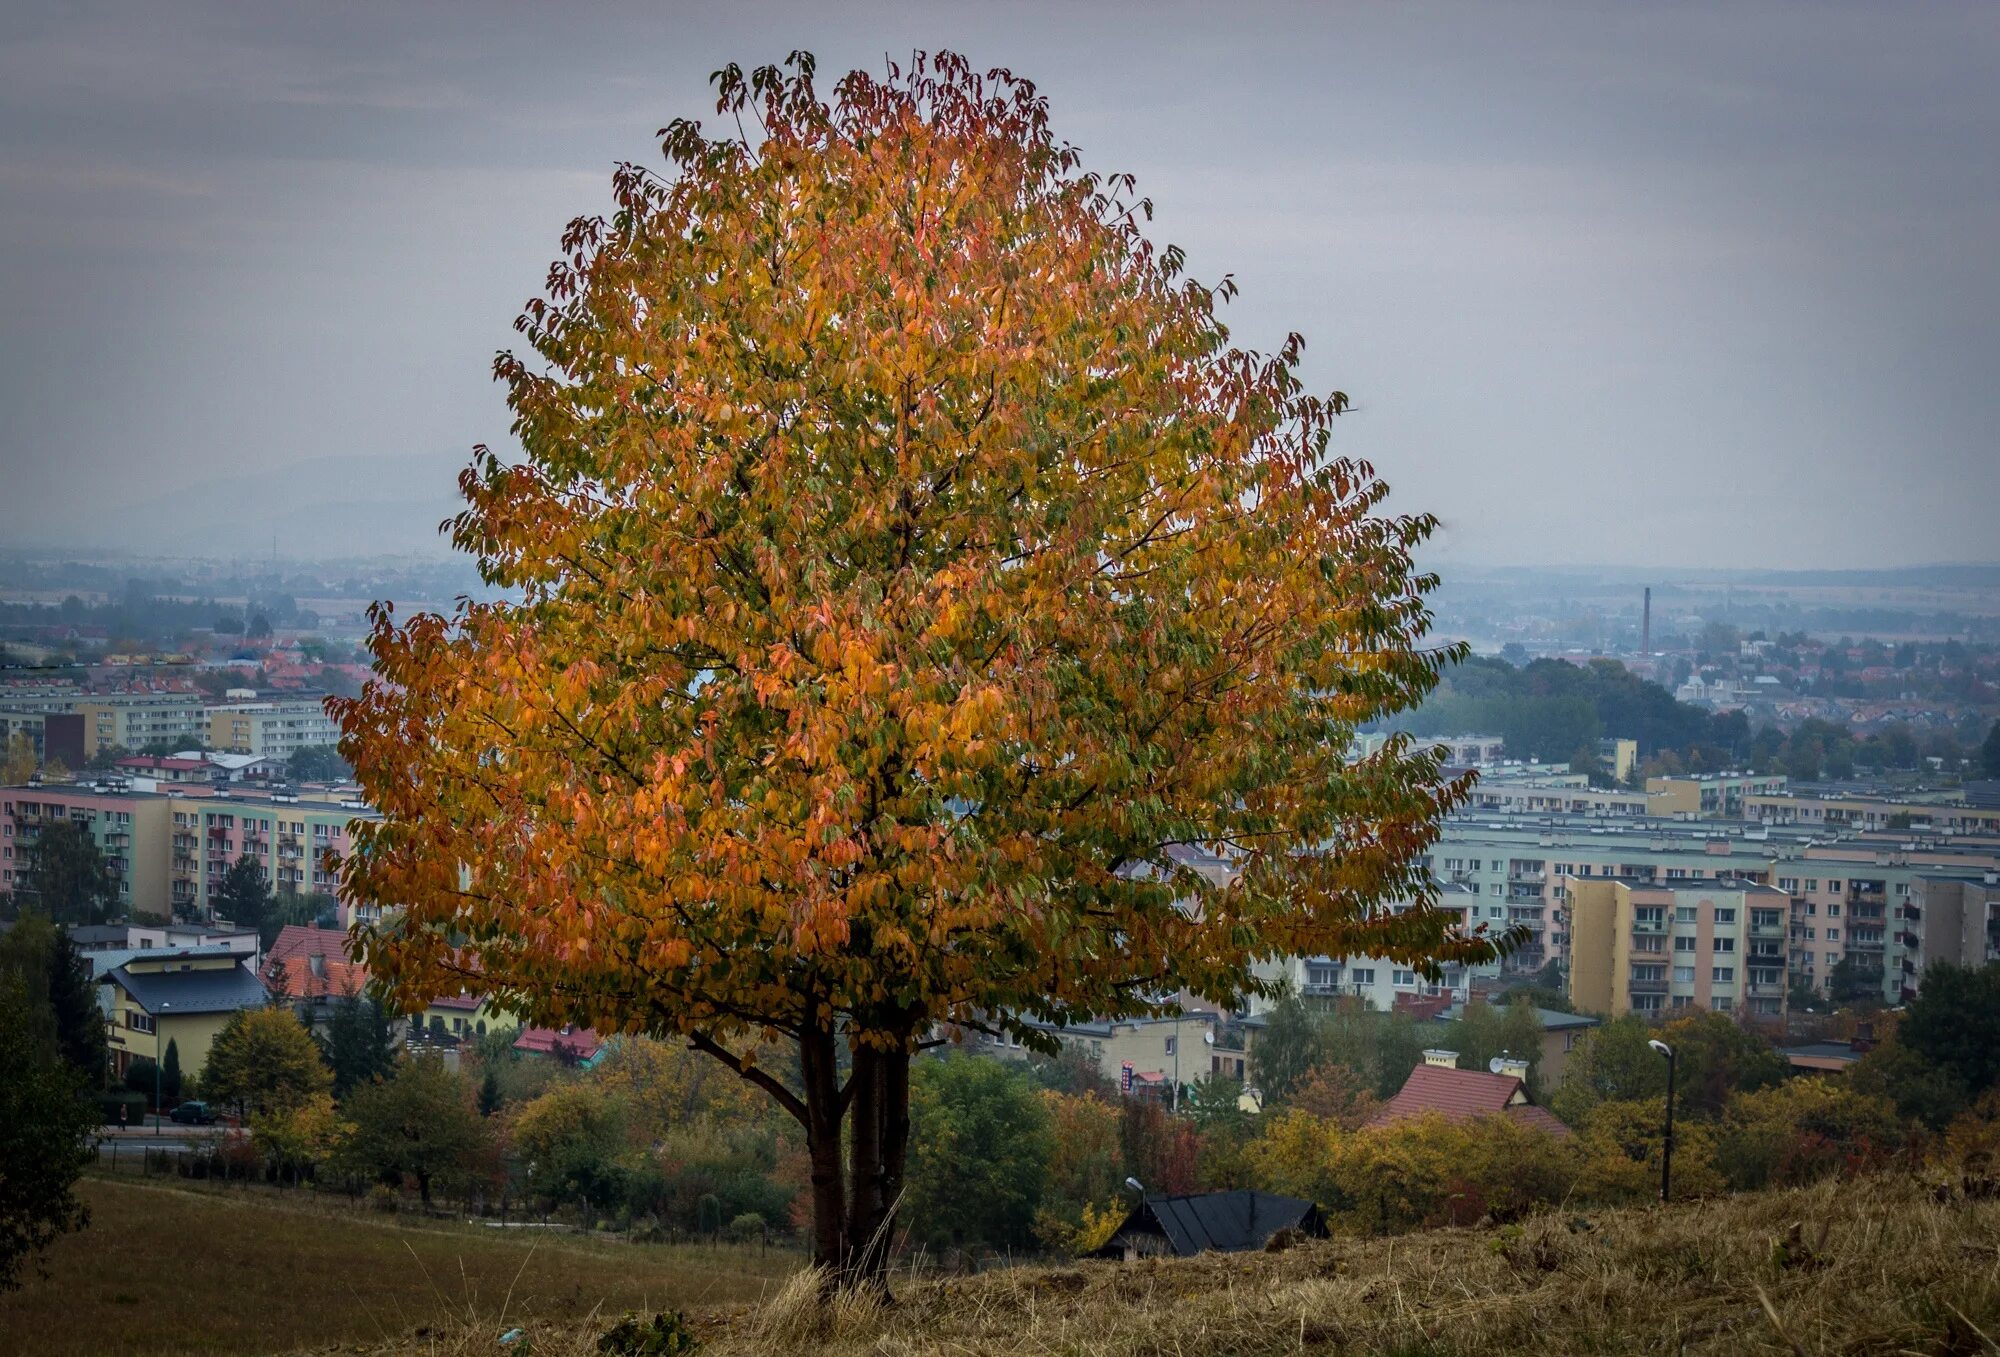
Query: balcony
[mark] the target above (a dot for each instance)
(1638, 986)
(1774, 928)
(1865, 942)
(1649, 927)
(1764, 989)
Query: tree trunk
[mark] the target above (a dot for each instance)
(819, 1068)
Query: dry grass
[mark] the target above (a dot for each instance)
(169, 1270)
(1875, 1267)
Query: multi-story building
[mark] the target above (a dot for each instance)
(1714, 795)
(137, 720)
(1873, 813)
(1949, 919)
(289, 837)
(130, 829)
(1646, 947)
(274, 730)
(1380, 981)
(1844, 888)
(56, 737)
(170, 851)
(1469, 751)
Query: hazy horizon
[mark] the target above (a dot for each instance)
(1712, 288)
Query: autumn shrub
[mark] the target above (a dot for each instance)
(1433, 1171)
(1620, 1150)
(1804, 1130)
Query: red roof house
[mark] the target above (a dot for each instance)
(1458, 1095)
(312, 963)
(571, 1045)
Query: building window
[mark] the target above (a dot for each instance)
(1683, 914)
(1683, 975)
(1722, 1003)
(1725, 944)
(1406, 978)
(1833, 935)
(1364, 975)
(137, 1021)
(1723, 975)
(1725, 916)
(1685, 944)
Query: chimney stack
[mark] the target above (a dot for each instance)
(1444, 1060)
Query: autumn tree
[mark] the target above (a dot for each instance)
(67, 878)
(265, 1060)
(904, 597)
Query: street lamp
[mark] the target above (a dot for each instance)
(1667, 1144)
(158, 1019)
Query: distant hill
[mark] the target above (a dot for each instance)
(326, 507)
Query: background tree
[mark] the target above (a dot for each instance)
(359, 1044)
(1292, 1044)
(245, 898)
(1989, 752)
(67, 879)
(19, 762)
(170, 1074)
(420, 1122)
(264, 1060)
(1954, 1023)
(900, 572)
(315, 763)
(55, 984)
(46, 1127)
(572, 1139)
(979, 1153)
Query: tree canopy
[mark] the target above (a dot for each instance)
(46, 1126)
(265, 1059)
(911, 598)
(67, 878)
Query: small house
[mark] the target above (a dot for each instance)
(1199, 1222)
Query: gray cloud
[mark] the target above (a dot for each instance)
(1700, 285)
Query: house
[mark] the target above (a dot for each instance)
(312, 967)
(456, 1017)
(1439, 1086)
(579, 1046)
(179, 995)
(1225, 1222)
(1824, 1057)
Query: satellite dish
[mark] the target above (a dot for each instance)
(1494, 1064)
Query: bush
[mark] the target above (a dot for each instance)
(664, 1335)
(1428, 1171)
(747, 1227)
(1805, 1130)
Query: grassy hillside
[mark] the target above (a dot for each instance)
(1877, 1266)
(168, 1270)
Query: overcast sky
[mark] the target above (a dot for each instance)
(1715, 286)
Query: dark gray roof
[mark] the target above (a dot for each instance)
(203, 991)
(1228, 1222)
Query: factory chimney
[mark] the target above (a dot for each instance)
(1646, 624)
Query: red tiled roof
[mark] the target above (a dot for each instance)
(468, 1002)
(336, 972)
(1458, 1094)
(580, 1042)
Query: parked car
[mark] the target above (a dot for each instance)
(193, 1114)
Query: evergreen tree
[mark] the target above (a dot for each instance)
(46, 1127)
(170, 1073)
(68, 878)
(245, 899)
(80, 1035)
(360, 1044)
(1989, 752)
(489, 1094)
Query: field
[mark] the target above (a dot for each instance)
(1877, 1266)
(168, 1270)
(1871, 1267)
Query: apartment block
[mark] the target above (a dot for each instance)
(287, 837)
(1714, 795)
(274, 730)
(130, 830)
(1949, 919)
(1873, 814)
(1647, 948)
(136, 720)
(1845, 889)
(54, 736)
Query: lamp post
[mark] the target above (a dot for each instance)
(1667, 1143)
(158, 1018)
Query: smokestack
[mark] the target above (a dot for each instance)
(1646, 624)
